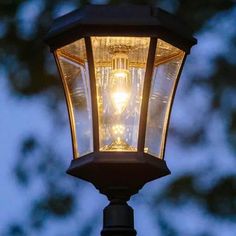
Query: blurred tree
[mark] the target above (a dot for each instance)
(31, 71)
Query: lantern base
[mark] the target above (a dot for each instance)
(118, 219)
(118, 175)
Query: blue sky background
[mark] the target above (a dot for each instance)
(21, 116)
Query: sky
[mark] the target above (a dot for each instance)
(19, 117)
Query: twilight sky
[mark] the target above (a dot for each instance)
(22, 116)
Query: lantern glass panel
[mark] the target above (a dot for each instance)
(73, 65)
(120, 64)
(168, 60)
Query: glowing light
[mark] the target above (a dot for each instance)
(119, 144)
(120, 87)
(120, 64)
(120, 100)
(118, 129)
(120, 74)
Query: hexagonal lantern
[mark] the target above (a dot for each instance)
(120, 67)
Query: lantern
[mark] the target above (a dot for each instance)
(120, 67)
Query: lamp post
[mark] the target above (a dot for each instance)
(120, 67)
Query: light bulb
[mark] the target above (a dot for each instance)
(120, 93)
(120, 85)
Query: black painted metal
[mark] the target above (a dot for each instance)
(118, 219)
(118, 175)
(123, 20)
(146, 92)
(91, 67)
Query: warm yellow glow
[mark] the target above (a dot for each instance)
(120, 74)
(120, 100)
(120, 90)
(120, 64)
(120, 83)
(118, 130)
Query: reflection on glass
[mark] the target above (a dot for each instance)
(74, 68)
(168, 60)
(120, 64)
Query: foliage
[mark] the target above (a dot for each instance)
(31, 71)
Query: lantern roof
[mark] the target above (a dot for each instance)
(119, 20)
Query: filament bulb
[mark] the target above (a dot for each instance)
(120, 81)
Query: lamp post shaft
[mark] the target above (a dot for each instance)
(118, 219)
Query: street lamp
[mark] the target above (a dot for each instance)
(119, 67)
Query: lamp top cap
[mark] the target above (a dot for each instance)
(142, 19)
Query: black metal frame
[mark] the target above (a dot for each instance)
(144, 106)
(146, 92)
(125, 20)
(91, 67)
(119, 175)
(122, 174)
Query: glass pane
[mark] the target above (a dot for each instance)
(120, 64)
(168, 60)
(74, 69)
